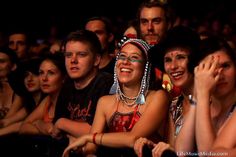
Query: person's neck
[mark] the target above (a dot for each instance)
(37, 97)
(3, 79)
(83, 82)
(187, 91)
(53, 97)
(226, 101)
(130, 91)
(105, 60)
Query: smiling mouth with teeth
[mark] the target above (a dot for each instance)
(125, 70)
(176, 74)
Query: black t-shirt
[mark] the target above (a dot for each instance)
(80, 105)
(109, 68)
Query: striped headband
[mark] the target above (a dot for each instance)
(137, 42)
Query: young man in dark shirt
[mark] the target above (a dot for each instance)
(86, 84)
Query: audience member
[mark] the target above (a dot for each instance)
(9, 100)
(155, 18)
(37, 128)
(178, 54)
(215, 91)
(52, 75)
(31, 95)
(132, 30)
(102, 27)
(19, 42)
(78, 99)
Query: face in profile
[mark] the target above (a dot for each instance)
(176, 66)
(5, 65)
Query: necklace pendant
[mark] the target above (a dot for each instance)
(141, 99)
(113, 89)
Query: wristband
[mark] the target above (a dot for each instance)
(94, 137)
(101, 139)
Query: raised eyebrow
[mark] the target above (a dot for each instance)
(167, 57)
(20, 41)
(52, 70)
(157, 18)
(179, 54)
(67, 52)
(182, 54)
(137, 53)
(76, 52)
(226, 63)
(143, 19)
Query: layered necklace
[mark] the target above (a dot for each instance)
(127, 99)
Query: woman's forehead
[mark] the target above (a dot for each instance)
(176, 52)
(223, 56)
(130, 48)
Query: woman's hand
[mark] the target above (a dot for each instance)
(160, 148)
(43, 127)
(4, 123)
(55, 132)
(139, 144)
(76, 145)
(207, 74)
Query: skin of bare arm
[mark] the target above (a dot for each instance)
(29, 124)
(185, 140)
(16, 105)
(225, 141)
(73, 128)
(205, 81)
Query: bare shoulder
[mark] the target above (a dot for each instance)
(106, 98)
(107, 101)
(158, 99)
(152, 94)
(43, 102)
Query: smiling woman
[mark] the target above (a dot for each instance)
(178, 55)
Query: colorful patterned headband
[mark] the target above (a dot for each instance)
(138, 42)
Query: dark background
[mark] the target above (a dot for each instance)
(37, 15)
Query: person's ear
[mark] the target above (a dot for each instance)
(97, 60)
(111, 37)
(14, 66)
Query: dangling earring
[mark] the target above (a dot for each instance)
(144, 85)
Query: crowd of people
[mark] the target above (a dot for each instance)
(160, 88)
